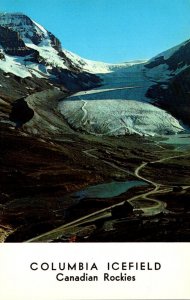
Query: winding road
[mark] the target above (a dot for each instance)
(159, 205)
(138, 83)
(106, 212)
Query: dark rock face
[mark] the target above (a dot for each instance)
(175, 98)
(68, 62)
(21, 24)
(20, 113)
(83, 80)
(174, 94)
(12, 43)
(36, 58)
(56, 44)
(179, 59)
(14, 87)
(2, 56)
(155, 63)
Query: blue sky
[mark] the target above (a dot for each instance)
(110, 30)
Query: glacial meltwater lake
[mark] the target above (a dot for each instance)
(107, 190)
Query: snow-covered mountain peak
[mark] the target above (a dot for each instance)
(28, 49)
(29, 31)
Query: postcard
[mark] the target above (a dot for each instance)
(95, 149)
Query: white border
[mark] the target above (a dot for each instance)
(18, 281)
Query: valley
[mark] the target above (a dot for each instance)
(40, 203)
(90, 151)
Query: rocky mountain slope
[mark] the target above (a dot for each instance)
(28, 50)
(172, 90)
(143, 97)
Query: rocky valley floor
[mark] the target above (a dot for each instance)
(43, 180)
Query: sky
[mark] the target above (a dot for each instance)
(110, 30)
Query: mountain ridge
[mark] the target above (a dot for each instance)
(28, 50)
(31, 50)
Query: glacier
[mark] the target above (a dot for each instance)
(120, 105)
